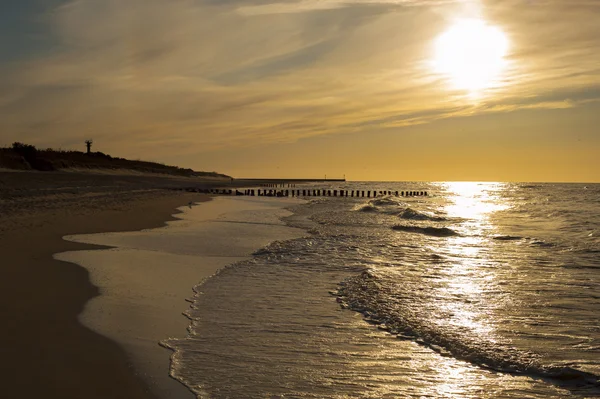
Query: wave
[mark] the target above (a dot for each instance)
(366, 294)
(534, 242)
(385, 201)
(429, 230)
(411, 214)
(367, 208)
(387, 205)
(540, 243)
(394, 206)
(507, 238)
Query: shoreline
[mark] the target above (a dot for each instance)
(148, 278)
(47, 351)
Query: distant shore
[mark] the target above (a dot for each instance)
(46, 351)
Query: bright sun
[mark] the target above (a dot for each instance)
(471, 55)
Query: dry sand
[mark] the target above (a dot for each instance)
(45, 351)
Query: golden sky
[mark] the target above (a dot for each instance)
(503, 90)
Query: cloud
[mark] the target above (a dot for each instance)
(319, 5)
(151, 76)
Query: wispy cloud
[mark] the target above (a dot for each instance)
(317, 5)
(205, 74)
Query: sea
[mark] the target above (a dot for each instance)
(477, 290)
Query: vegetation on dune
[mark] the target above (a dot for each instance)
(27, 157)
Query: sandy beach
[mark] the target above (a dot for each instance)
(46, 351)
(147, 278)
(86, 311)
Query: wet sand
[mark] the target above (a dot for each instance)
(45, 351)
(147, 277)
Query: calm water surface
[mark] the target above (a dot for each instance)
(487, 290)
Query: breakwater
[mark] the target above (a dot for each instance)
(273, 192)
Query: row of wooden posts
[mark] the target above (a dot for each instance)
(275, 185)
(314, 193)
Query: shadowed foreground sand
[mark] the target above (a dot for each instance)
(45, 351)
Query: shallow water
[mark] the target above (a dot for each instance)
(476, 291)
(147, 276)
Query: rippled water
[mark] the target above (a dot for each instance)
(476, 291)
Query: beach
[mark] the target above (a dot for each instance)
(470, 292)
(390, 297)
(147, 278)
(90, 288)
(46, 351)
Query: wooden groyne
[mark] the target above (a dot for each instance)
(287, 183)
(273, 192)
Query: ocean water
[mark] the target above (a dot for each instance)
(479, 290)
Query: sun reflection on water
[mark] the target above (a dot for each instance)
(465, 307)
(473, 201)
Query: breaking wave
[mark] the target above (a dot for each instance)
(507, 238)
(411, 214)
(429, 230)
(394, 206)
(367, 294)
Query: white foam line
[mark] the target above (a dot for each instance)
(146, 278)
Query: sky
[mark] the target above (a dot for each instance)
(481, 90)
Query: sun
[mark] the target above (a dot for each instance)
(471, 54)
